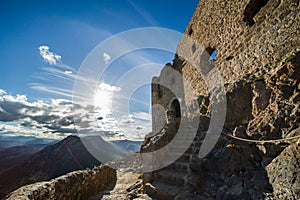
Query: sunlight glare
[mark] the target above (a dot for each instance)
(103, 101)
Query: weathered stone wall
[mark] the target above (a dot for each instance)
(244, 51)
(165, 89)
(258, 60)
(75, 185)
(256, 41)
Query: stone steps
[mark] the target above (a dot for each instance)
(182, 148)
(184, 143)
(197, 143)
(179, 166)
(169, 181)
(171, 177)
(186, 157)
(161, 190)
(187, 134)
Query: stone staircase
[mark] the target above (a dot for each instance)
(168, 182)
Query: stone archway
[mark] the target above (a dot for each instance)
(175, 106)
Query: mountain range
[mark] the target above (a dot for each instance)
(41, 160)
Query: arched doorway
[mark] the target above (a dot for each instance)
(175, 106)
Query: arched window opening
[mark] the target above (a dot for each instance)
(190, 31)
(213, 54)
(252, 8)
(175, 106)
(207, 60)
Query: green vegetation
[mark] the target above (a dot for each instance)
(260, 78)
(140, 176)
(283, 146)
(95, 167)
(245, 83)
(245, 121)
(236, 147)
(289, 59)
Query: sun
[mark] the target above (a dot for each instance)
(103, 101)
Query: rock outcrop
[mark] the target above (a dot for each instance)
(258, 64)
(284, 173)
(80, 184)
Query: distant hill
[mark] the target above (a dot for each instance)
(12, 156)
(58, 159)
(52, 161)
(14, 150)
(128, 145)
(12, 141)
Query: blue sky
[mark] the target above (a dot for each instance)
(70, 29)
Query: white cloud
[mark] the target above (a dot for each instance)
(2, 92)
(68, 72)
(37, 117)
(142, 116)
(127, 119)
(55, 81)
(50, 119)
(12, 129)
(106, 57)
(61, 117)
(107, 87)
(49, 56)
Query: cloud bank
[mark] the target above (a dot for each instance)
(59, 118)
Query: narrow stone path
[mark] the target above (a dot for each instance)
(170, 181)
(118, 191)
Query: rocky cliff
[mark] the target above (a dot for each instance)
(80, 184)
(258, 65)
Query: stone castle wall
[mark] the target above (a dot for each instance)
(256, 41)
(165, 89)
(257, 66)
(251, 38)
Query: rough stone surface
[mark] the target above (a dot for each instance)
(243, 52)
(75, 185)
(284, 173)
(258, 60)
(127, 186)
